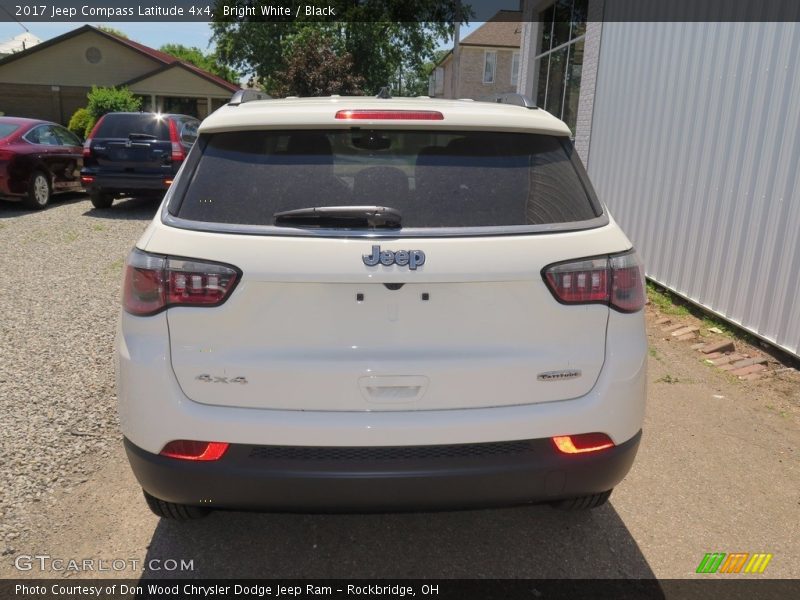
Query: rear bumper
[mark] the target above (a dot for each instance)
(317, 479)
(127, 182)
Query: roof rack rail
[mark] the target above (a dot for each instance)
(510, 98)
(242, 96)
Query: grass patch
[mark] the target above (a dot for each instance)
(670, 304)
(71, 236)
(99, 227)
(666, 303)
(116, 266)
(668, 379)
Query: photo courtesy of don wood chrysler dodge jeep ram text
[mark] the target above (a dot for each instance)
(371, 304)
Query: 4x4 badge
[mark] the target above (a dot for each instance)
(205, 378)
(401, 258)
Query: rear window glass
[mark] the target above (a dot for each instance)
(6, 129)
(121, 126)
(435, 179)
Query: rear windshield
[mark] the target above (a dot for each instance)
(121, 126)
(435, 179)
(6, 129)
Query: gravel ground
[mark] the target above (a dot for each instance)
(717, 469)
(61, 275)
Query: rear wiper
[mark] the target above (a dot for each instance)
(347, 217)
(141, 136)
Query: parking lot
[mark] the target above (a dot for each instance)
(718, 469)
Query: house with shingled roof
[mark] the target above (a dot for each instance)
(488, 61)
(50, 80)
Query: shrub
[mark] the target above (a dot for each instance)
(105, 100)
(80, 122)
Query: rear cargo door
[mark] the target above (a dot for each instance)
(133, 143)
(350, 322)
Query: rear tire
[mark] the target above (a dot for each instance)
(583, 502)
(39, 191)
(101, 200)
(172, 511)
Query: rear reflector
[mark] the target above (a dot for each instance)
(192, 450)
(582, 443)
(391, 115)
(617, 281)
(153, 283)
(87, 178)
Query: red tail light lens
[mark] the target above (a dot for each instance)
(627, 282)
(178, 154)
(191, 450)
(582, 443)
(153, 283)
(6, 155)
(87, 145)
(391, 115)
(617, 281)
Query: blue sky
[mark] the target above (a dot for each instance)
(151, 34)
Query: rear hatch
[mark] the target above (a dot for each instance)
(344, 319)
(132, 143)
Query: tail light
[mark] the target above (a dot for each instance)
(582, 443)
(154, 283)
(178, 153)
(391, 115)
(87, 145)
(6, 155)
(192, 450)
(617, 281)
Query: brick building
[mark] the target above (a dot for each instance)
(488, 61)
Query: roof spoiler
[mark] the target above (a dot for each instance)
(510, 98)
(242, 96)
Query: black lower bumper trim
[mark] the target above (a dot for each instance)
(315, 479)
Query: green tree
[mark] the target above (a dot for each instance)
(112, 31)
(383, 37)
(208, 62)
(416, 77)
(313, 68)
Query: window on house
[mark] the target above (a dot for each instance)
(515, 68)
(489, 66)
(559, 63)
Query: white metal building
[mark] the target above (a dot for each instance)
(691, 134)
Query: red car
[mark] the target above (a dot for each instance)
(37, 159)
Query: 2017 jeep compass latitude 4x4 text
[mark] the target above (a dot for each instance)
(369, 304)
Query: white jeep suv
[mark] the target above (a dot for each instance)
(371, 304)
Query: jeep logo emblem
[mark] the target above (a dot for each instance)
(401, 258)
